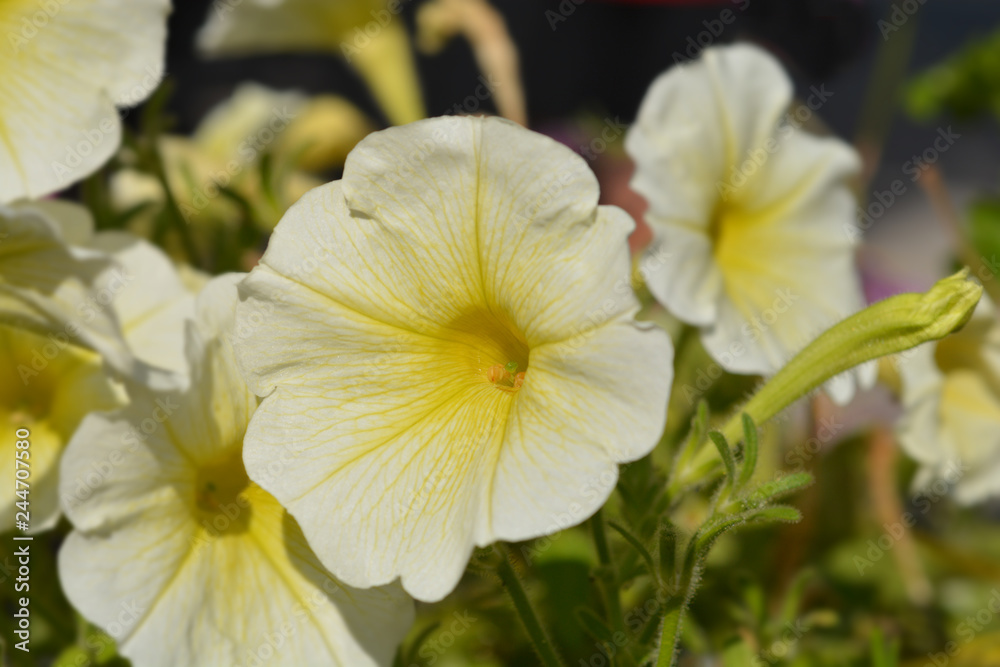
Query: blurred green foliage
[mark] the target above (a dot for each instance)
(966, 86)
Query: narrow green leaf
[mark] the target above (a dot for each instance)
(699, 424)
(750, 448)
(594, 625)
(636, 544)
(778, 488)
(726, 454)
(776, 514)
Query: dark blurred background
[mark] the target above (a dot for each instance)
(602, 57)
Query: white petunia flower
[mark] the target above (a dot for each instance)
(754, 215)
(447, 335)
(180, 557)
(951, 402)
(64, 67)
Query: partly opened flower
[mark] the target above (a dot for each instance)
(47, 385)
(64, 66)
(753, 218)
(951, 399)
(370, 35)
(446, 337)
(181, 558)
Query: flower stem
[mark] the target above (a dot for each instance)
(515, 589)
(612, 601)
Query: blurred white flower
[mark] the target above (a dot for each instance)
(210, 569)
(951, 402)
(226, 151)
(109, 292)
(64, 67)
(447, 334)
(369, 34)
(754, 215)
(47, 385)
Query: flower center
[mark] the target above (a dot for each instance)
(489, 346)
(505, 377)
(220, 495)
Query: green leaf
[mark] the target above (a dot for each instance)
(984, 231)
(776, 489)
(594, 625)
(726, 453)
(750, 447)
(636, 544)
(776, 514)
(699, 424)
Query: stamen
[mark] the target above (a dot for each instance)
(506, 376)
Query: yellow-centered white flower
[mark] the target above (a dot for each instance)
(951, 402)
(64, 67)
(446, 335)
(753, 218)
(180, 557)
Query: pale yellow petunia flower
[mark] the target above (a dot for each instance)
(180, 557)
(951, 403)
(370, 35)
(64, 67)
(754, 214)
(447, 336)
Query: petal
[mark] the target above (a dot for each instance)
(697, 122)
(60, 83)
(196, 599)
(578, 413)
(786, 255)
(403, 474)
(679, 268)
(149, 299)
(47, 387)
(401, 252)
(61, 291)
